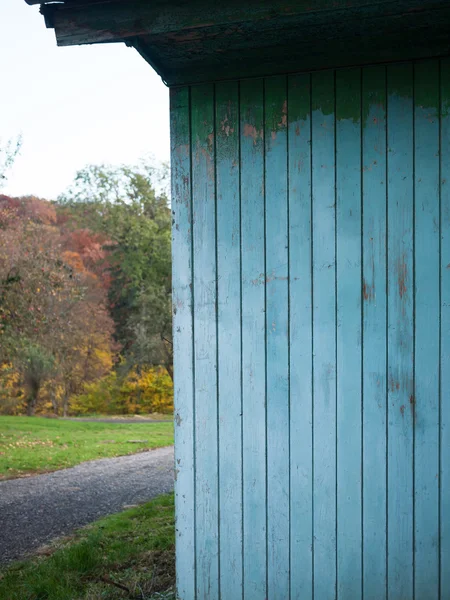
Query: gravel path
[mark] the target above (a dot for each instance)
(37, 509)
(123, 421)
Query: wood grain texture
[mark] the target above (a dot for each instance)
(312, 240)
(187, 43)
(425, 403)
(183, 341)
(349, 332)
(374, 227)
(444, 497)
(324, 333)
(205, 342)
(229, 338)
(253, 337)
(300, 336)
(277, 337)
(400, 434)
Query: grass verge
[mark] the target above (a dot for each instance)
(129, 555)
(38, 445)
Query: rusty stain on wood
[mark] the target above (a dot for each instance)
(393, 384)
(402, 275)
(368, 291)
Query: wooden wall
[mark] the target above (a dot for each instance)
(311, 229)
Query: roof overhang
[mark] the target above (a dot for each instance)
(198, 40)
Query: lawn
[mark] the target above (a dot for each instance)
(127, 555)
(38, 445)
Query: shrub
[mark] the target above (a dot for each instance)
(147, 392)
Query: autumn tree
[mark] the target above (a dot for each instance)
(123, 205)
(54, 321)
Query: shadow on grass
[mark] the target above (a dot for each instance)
(127, 555)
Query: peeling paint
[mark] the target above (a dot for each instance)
(226, 127)
(251, 131)
(263, 279)
(283, 121)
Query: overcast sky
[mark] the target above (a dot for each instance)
(73, 106)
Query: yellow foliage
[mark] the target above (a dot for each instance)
(148, 392)
(12, 397)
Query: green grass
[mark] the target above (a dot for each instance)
(133, 549)
(37, 445)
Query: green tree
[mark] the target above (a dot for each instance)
(123, 204)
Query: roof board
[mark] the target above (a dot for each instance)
(188, 42)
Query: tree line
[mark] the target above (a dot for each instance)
(85, 296)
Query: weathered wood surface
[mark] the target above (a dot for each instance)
(228, 339)
(183, 348)
(400, 325)
(323, 174)
(253, 252)
(313, 406)
(186, 42)
(374, 333)
(444, 331)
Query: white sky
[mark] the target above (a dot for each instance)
(73, 106)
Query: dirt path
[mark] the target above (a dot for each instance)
(37, 509)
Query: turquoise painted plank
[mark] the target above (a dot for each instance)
(445, 332)
(324, 333)
(205, 342)
(300, 335)
(425, 402)
(400, 330)
(182, 342)
(277, 340)
(374, 331)
(349, 331)
(253, 337)
(229, 338)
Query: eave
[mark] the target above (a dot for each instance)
(189, 42)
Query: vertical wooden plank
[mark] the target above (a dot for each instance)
(182, 341)
(300, 334)
(229, 338)
(400, 330)
(445, 333)
(324, 332)
(374, 332)
(424, 405)
(348, 265)
(277, 331)
(253, 337)
(204, 247)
